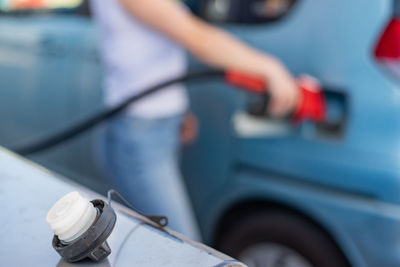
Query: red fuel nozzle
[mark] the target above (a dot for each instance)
(311, 105)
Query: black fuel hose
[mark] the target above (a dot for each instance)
(94, 120)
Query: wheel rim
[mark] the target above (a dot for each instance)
(272, 255)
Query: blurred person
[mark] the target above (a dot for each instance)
(142, 44)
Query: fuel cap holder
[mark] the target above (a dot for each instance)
(91, 244)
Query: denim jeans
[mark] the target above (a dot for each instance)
(141, 158)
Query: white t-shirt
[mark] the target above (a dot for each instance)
(136, 57)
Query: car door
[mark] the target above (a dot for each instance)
(33, 76)
(50, 77)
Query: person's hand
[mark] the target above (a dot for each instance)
(189, 130)
(283, 89)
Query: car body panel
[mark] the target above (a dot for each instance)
(39, 63)
(323, 178)
(28, 192)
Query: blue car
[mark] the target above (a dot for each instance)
(267, 192)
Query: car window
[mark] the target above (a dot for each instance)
(245, 11)
(32, 6)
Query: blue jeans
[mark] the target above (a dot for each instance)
(141, 158)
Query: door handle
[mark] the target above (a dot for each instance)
(51, 46)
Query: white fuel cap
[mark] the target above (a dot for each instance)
(71, 216)
(81, 228)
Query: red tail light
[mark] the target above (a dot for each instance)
(387, 50)
(388, 47)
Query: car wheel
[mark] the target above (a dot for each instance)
(279, 239)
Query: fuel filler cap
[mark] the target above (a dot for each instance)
(81, 227)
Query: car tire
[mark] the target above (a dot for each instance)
(264, 231)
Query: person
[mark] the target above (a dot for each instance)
(142, 44)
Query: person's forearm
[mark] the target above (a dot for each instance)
(220, 49)
(208, 43)
(217, 48)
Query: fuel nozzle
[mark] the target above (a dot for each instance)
(81, 227)
(311, 104)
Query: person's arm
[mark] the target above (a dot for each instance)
(216, 47)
